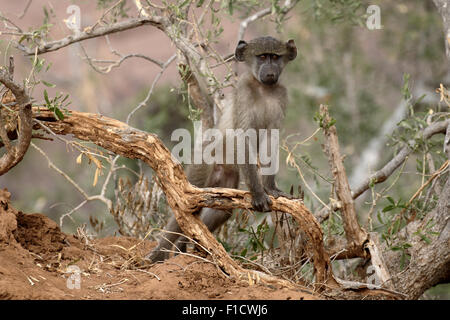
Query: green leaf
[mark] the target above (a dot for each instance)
(46, 98)
(65, 98)
(405, 90)
(59, 114)
(22, 38)
(230, 7)
(48, 66)
(396, 227)
(405, 125)
(332, 122)
(425, 238)
(379, 217)
(420, 98)
(183, 4)
(48, 84)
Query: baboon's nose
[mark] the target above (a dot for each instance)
(269, 79)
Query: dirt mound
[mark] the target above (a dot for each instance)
(38, 261)
(38, 234)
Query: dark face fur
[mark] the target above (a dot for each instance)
(266, 57)
(268, 68)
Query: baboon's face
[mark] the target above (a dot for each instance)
(266, 57)
(267, 68)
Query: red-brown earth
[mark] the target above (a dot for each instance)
(36, 259)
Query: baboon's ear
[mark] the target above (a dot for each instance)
(240, 50)
(291, 50)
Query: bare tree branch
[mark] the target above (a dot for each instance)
(20, 16)
(88, 33)
(392, 165)
(288, 5)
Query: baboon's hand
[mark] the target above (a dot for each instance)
(261, 202)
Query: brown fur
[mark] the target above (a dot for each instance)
(254, 105)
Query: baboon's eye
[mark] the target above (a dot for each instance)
(262, 56)
(275, 57)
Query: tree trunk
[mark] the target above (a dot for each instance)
(430, 263)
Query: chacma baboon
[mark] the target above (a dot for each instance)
(258, 102)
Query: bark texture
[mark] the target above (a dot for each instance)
(430, 263)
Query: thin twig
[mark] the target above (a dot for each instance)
(25, 9)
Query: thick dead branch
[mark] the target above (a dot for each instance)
(183, 198)
(354, 233)
(358, 240)
(14, 154)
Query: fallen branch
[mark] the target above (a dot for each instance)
(183, 198)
